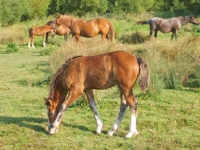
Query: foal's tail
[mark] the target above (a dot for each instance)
(111, 31)
(144, 74)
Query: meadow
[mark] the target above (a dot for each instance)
(168, 113)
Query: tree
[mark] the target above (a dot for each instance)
(79, 7)
(39, 8)
(11, 12)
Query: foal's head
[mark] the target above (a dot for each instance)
(52, 31)
(52, 112)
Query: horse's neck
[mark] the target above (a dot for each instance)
(70, 22)
(184, 20)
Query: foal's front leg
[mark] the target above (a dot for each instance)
(92, 104)
(44, 40)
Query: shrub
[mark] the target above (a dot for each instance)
(46, 51)
(12, 48)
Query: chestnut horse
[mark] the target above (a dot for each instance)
(90, 28)
(85, 73)
(60, 30)
(40, 31)
(168, 25)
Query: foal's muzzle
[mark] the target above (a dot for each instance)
(52, 130)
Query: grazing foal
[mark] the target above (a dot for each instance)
(83, 74)
(40, 31)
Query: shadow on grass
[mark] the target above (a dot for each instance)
(36, 123)
(80, 127)
(28, 122)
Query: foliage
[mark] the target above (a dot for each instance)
(46, 51)
(131, 6)
(11, 12)
(78, 7)
(12, 48)
(39, 8)
(14, 11)
(21, 10)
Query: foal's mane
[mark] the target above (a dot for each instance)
(58, 74)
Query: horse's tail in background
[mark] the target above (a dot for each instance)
(144, 74)
(111, 31)
(143, 22)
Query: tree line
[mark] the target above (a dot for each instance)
(13, 11)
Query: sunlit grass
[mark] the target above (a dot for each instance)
(168, 119)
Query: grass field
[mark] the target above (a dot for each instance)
(168, 119)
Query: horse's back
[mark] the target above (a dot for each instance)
(102, 71)
(92, 27)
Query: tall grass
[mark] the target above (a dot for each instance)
(169, 61)
(14, 34)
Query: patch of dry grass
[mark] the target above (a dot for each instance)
(13, 34)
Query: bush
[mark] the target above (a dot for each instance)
(12, 48)
(11, 12)
(170, 62)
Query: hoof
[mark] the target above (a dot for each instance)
(132, 134)
(99, 128)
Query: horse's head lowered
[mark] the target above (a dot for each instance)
(193, 20)
(52, 113)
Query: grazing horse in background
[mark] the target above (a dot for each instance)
(40, 31)
(85, 73)
(60, 30)
(168, 25)
(90, 28)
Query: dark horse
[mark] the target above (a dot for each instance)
(168, 25)
(85, 73)
(40, 31)
(90, 28)
(61, 30)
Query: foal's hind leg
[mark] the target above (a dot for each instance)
(32, 39)
(123, 108)
(90, 97)
(132, 102)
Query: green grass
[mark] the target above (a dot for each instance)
(166, 120)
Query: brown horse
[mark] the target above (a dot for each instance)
(168, 25)
(85, 73)
(60, 30)
(90, 28)
(40, 31)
